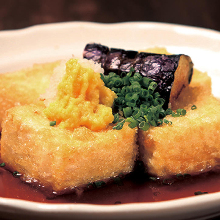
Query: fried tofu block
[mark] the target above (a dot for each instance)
(24, 86)
(199, 88)
(191, 144)
(62, 159)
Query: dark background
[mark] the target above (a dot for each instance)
(15, 14)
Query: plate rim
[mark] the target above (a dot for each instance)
(141, 24)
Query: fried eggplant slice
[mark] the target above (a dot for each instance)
(171, 72)
(96, 52)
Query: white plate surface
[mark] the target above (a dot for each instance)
(42, 43)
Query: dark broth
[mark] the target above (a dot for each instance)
(133, 188)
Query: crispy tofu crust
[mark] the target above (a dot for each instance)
(24, 86)
(191, 144)
(61, 159)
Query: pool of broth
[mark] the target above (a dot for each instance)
(133, 188)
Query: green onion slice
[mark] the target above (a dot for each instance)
(137, 101)
(2, 164)
(194, 107)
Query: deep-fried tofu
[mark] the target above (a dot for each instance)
(62, 159)
(191, 144)
(24, 86)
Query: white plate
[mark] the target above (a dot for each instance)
(22, 48)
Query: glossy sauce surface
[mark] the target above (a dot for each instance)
(132, 188)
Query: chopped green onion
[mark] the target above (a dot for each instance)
(127, 112)
(152, 86)
(168, 181)
(167, 121)
(153, 178)
(194, 107)
(146, 82)
(2, 164)
(116, 90)
(159, 122)
(144, 93)
(162, 114)
(110, 84)
(132, 103)
(112, 74)
(16, 174)
(132, 121)
(149, 98)
(158, 101)
(181, 111)
(139, 120)
(137, 77)
(179, 176)
(156, 95)
(199, 193)
(183, 176)
(169, 111)
(116, 118)
(99, 184)
(52, 123)
(118, 82)
(131, 97)
(144, 126)
(123, 75)
(104, 79)
(137, 102)
(137, 114)
(136, 88)
(119, 101)
(120, 125)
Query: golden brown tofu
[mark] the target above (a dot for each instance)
(24, 86)
(62, 159)
(199, 87)
(191, 144)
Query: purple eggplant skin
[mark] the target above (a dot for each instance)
(128, 61)
(113, 60)
(161, 69)
(118, 60)
(96, 52)
(171, 72)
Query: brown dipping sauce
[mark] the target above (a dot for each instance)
(131, 189)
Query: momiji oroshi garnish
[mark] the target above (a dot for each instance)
(137, 102)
